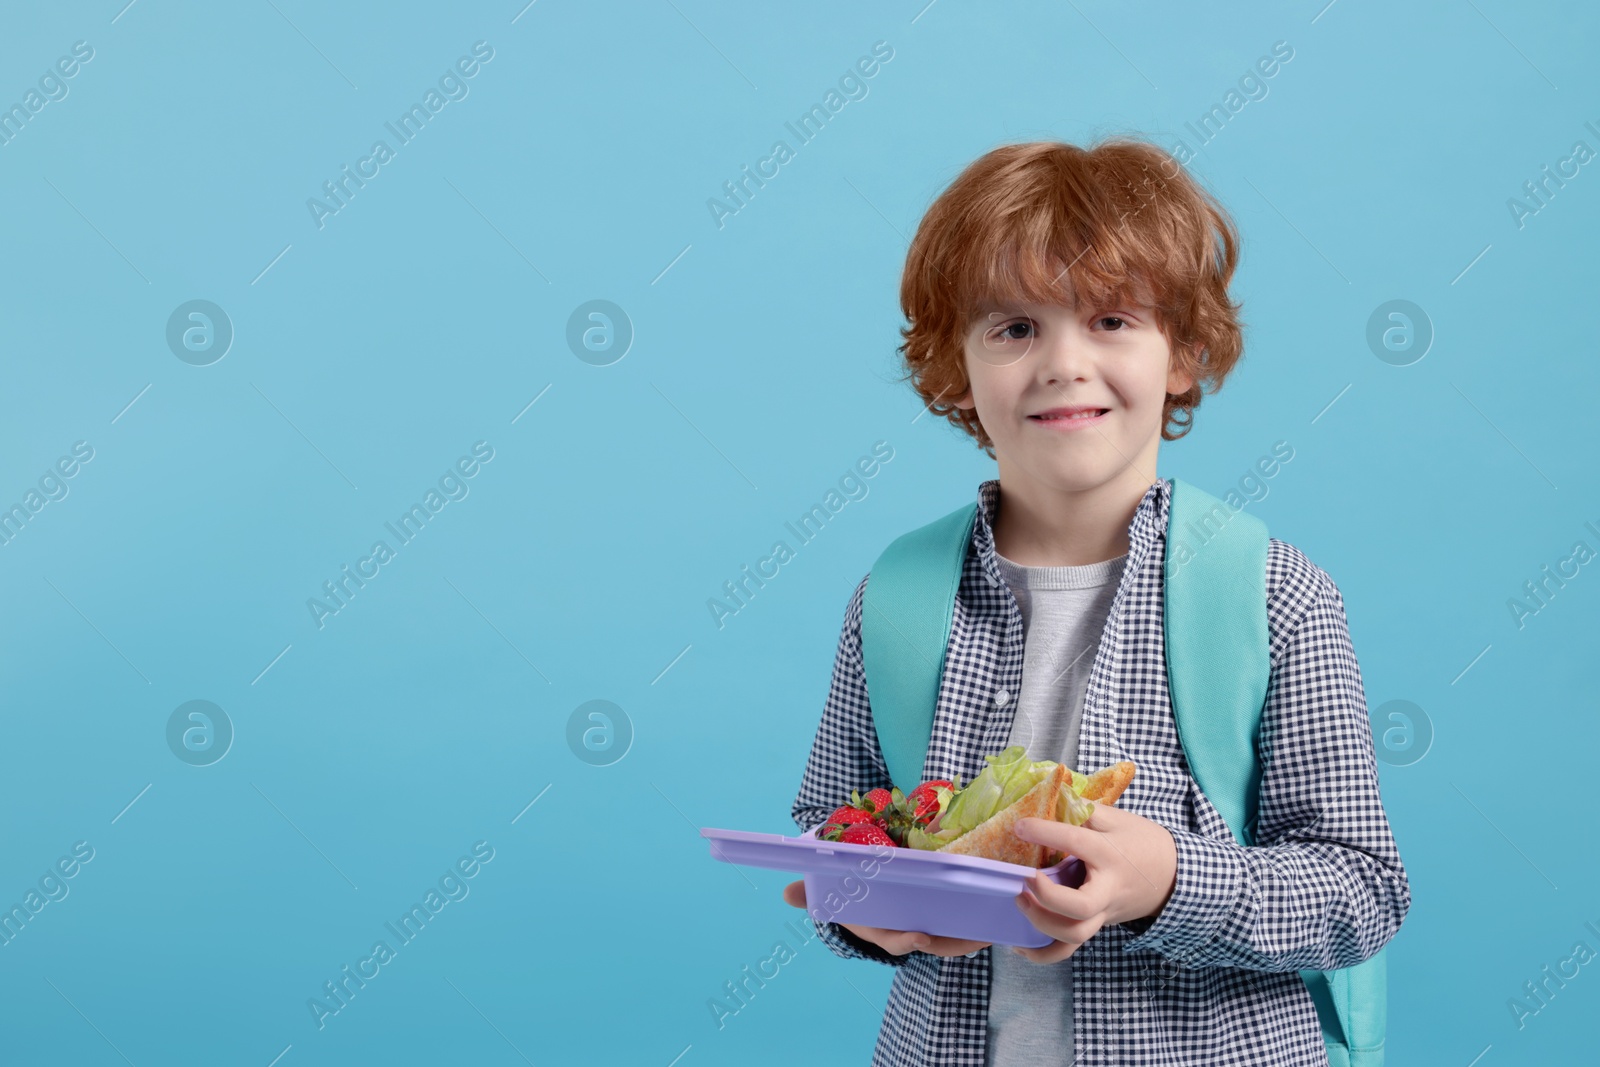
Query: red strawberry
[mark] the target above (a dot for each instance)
(842, 817)
(886, 811)
(866, 833)
(847, 820)
(924, 801)
(876, 802)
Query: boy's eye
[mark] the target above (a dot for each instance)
(1019, 330)
(1007, 344)
(1113, 318)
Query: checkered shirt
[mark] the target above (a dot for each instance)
(1212, 979)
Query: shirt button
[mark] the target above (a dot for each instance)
(1000, 698)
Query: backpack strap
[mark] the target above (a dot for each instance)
(1218, 663)
(1218, 669)
(906, 613)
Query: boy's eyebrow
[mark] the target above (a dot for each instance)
(1123, 301)
(984, 310)
(991, 303)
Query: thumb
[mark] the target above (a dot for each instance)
(1105, 817)
(1048, 832)
(1086, 841)
(795, 893)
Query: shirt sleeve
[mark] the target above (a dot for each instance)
(844, 756)
(1322, 886)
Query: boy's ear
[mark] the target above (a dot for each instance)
(965, 401)
(1178, 380)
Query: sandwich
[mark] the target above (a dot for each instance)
(977, 819)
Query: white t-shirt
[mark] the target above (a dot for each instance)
(1064, 610)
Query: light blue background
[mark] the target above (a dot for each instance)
(424, 316)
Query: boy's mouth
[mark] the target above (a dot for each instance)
(1070, 418)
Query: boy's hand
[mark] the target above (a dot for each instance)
(894, 942)
(1131, 869)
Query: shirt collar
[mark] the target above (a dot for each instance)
(1144, 530)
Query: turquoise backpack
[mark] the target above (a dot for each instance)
(1218, 667)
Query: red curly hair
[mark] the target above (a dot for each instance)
(1125, 220)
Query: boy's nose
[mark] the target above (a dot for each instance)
(1062, 357)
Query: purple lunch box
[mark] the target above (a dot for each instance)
(900, 888)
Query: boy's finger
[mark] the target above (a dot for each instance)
(1081, 841)
(1054, 952)
(1045, 832)
(1063, 900)
(898, 943)
(894, 942)
(954, 946)
(1105, 816)
(1074, 931)
(1079, 903)
(795, 893)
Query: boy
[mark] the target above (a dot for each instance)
(1066, 307)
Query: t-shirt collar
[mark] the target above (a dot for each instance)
(1144, 530)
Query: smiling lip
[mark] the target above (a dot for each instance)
(1064, 421)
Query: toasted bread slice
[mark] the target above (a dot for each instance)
(992, 839)
(1104, 786)
(1107, 784)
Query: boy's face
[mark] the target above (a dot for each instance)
(1028, 360)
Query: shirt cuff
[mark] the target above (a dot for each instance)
(1211, 879)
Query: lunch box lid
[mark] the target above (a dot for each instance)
(805, 854)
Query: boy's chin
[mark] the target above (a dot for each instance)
(1071, 474)
(1068, 476)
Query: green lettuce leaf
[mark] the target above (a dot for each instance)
(1008, 776)
(1071, 807)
